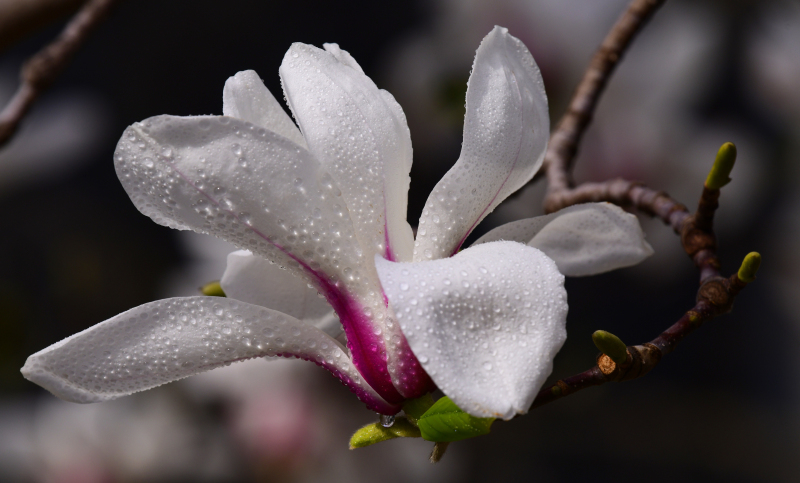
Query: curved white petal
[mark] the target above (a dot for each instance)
(167, 340)
(246, 97)
(258, 190)
(246, 185)
(505, 136)
(359, 133)
(254, 280)
(583, 239)
(485, 323)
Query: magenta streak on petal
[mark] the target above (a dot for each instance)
(373, 404)
(389, 253)
(367, 350)
(516, 159)
(414, 381)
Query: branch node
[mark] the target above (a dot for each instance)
(695, 238)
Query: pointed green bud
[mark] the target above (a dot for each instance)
(723, 164)
(610, 345)
(415, 408)
(439, 449)
(750, 264)
(445, 422)
(375, 433)
(212, 289)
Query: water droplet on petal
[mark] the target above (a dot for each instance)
(387, 421)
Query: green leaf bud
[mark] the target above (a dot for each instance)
(750, 264)
(610, 345)
(213, 289)
(375, 433)
(723, 164)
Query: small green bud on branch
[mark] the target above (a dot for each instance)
(375, 433)
(610, 345)
(750, 264)
(723, 164)
(213, 289)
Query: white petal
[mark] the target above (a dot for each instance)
(167, 340)
(359, 133)
(583, 239)
(246, 97)
(485, 323)
(254, 280)
(188, 173)
(343, 57)
(505, 136)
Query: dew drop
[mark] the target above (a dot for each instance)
(387, 421)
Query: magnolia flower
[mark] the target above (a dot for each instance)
(327, 202)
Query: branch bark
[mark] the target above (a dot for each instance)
(715, 295)
(19, 18)
(41, 70)
(567, 135)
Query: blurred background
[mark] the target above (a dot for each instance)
(724, 407)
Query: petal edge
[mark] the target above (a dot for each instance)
(485, 324)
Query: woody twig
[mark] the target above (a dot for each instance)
(42, 69)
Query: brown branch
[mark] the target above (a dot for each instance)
(567, 135)
(19, 18)
(42, 69)
(715, 295)
(715, 298)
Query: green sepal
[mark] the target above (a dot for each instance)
(610, 345)
(719, 175)
(375, 433)
(213, 289)
(415, 408)
(750, 265)
(445, 422)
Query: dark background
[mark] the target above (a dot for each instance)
(722, 407)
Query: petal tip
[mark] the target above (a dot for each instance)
(58, 386)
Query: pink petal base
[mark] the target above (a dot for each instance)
(373, 403)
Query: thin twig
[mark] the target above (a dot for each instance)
(565, 138)
(41, 69)
(715, 298)
(19, 18)
(715, 295)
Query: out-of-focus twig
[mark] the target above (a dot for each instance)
(565, 138)
(41, 69)
(19, 18)
(716, 293)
